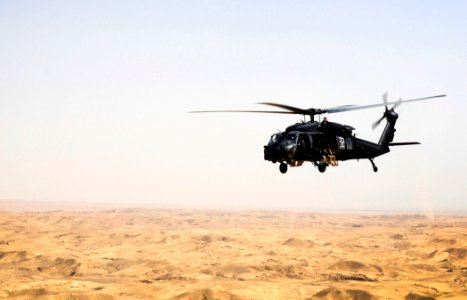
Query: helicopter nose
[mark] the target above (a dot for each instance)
(272, 153)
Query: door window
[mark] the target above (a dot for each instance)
(341, 143)
(349, 143)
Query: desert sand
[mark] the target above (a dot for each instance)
(200, 254)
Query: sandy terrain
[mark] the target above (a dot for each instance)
(188, 254)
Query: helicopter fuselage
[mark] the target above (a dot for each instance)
(323, 144)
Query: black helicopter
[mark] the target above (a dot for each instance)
(326, 143)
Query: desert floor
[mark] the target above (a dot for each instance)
(195, 254)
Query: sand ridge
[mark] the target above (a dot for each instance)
(193, 254)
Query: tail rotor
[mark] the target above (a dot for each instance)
(387, 111)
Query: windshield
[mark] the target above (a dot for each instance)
(275, 137)
(292, 138)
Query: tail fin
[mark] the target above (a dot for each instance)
(388, 133)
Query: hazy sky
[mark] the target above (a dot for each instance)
(94, 98)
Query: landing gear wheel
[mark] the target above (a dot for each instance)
(322, 167)
(375, 168)
(283, 168)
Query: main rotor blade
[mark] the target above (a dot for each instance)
(290, 110)
(356, 107)
(399, 102)
(293, 109)
(243, 111)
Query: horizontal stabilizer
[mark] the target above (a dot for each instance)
(404, 143)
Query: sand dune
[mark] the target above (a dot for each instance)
(191, 254)
(342, 294)
(295, 242)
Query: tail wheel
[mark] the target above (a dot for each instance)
(375, 168)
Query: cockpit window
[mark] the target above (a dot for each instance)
(275, 137)
(292, 137)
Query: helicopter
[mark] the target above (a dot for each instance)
(325, 143)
